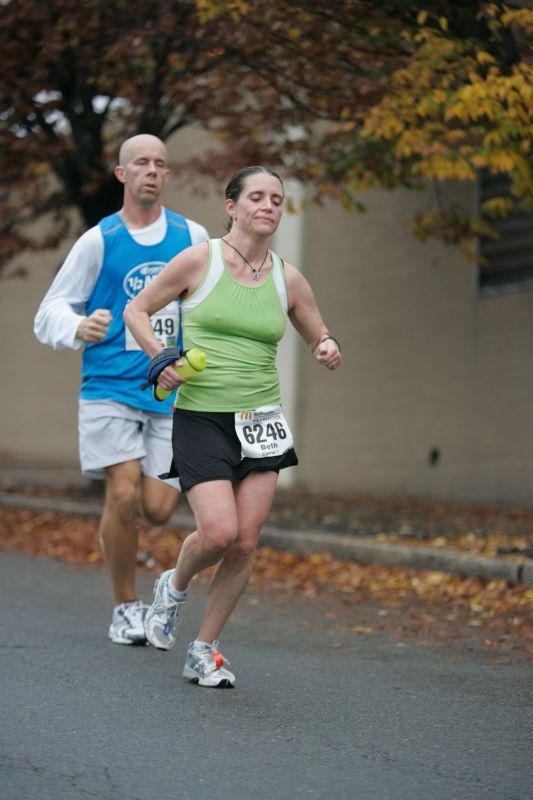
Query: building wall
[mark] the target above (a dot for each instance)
(39, 387)
(429, 365)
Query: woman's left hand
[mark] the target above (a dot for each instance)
(327, 352)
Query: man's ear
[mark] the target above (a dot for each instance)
(120, 174)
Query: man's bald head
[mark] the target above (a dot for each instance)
(143, 171)
(135, 144)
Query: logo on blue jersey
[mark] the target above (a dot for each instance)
(139, 277)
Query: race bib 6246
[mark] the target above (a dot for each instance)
(263, 432)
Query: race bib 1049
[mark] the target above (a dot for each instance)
(165, 325)
(263, 432)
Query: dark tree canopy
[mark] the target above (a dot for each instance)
(342, 95)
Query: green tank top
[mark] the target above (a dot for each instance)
(238, 327)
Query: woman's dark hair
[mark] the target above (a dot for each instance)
(236, 184)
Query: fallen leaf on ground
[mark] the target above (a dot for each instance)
(414, 602)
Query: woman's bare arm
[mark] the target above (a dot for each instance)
(179, 277)
(306, 318)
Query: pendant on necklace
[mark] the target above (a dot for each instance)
(256, 275)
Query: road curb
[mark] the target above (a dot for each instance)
(363, 550)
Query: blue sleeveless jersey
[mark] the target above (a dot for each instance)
(115, 368)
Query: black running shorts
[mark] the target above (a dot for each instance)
(205, 448)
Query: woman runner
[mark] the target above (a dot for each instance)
(230, 438)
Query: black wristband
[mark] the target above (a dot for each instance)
(332, 339)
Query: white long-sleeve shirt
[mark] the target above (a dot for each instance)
(62, 309)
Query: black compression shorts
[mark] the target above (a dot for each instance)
(205, 448)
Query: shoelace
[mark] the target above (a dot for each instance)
(214, 648)
(208, 657)
(172, 611)
(170, 620)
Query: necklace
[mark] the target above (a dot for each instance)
(255, 270)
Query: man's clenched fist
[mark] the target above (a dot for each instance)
(93, 328)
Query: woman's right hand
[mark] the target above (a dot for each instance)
(169, 379)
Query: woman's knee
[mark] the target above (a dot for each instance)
(217, 537)
(243, 548)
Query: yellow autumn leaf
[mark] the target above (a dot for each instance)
(501, 160)
(522, 18)
(209, 9)
(41, 169)
(492, 9)
(484, 58)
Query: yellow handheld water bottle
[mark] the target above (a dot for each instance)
(194, 362)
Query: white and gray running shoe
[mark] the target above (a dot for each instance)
(205, 666)
(163, 615)
(127, 623)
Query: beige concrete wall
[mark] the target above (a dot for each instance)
(428, 363)
(39, 387)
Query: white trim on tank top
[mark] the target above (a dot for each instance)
(216, 269)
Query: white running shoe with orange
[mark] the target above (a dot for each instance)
(205, 666)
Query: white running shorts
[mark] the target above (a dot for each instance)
(111, 433)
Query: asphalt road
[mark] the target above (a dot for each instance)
(314, 714)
